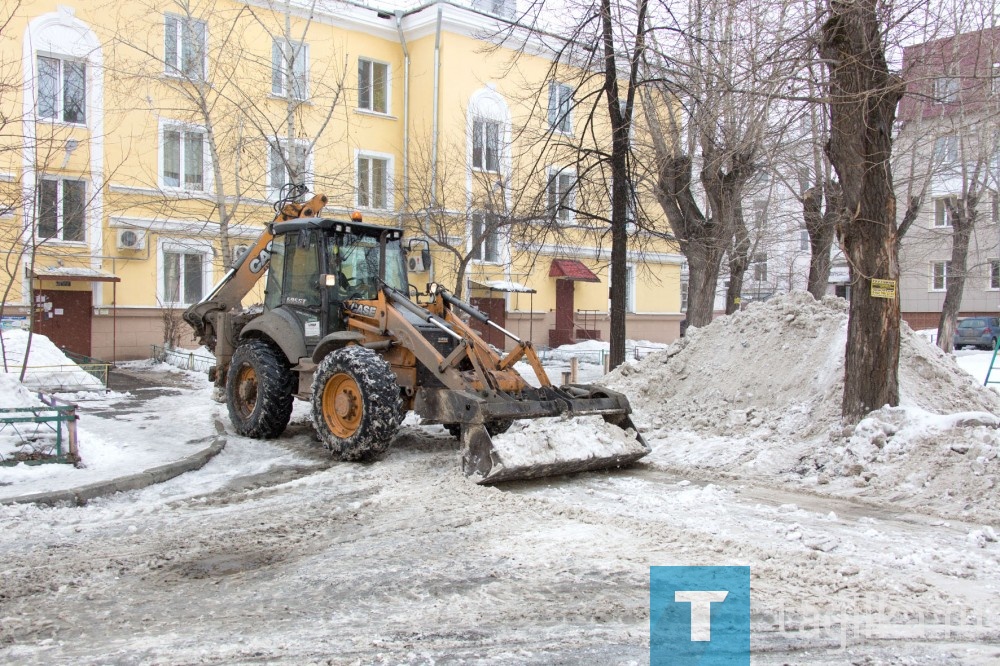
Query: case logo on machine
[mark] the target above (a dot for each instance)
(361, 309)
(258, 263)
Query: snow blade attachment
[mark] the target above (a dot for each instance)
(485, 461)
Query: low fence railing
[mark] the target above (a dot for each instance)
(184, 358)
(34, 435)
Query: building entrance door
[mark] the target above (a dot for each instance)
(64, 317)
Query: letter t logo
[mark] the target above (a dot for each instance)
(701, 610)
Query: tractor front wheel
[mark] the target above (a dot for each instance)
(259, 390)
(355, 403)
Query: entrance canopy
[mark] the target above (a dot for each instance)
(571, 269)
(502, 285)
(69, 273)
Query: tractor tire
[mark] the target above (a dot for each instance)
(259, 390)
(494, 428)
(355, 403)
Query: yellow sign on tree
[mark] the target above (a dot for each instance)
(883, 288)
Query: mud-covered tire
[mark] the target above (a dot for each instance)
(355, 403)
(494, 428)
(259, 389)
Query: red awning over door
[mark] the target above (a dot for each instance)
(571, 269)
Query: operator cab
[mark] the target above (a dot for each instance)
(317, 264)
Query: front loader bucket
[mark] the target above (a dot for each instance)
(508, 457)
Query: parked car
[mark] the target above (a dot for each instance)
(980, 332)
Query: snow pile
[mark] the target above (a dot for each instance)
(13, 394)
(48, 366)
(555, 440)
(758, 394)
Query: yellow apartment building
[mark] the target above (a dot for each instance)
(144, 145)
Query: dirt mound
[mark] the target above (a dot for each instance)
(759, 393)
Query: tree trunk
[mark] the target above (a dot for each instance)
(820, 225)
(963, 219)
(863, 97)
(702, 240)
(739, 259)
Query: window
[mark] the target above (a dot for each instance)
(804, 240)
(946, 89)
(183, 277)
(62, 90)
(560, 196)
(284, 167)
(183, 158)
(684, 295)
(485, 226)
(486, 145)
(290, 69)
(942, 212)
(373, 182)
(946, 149)
(995, 78)
(184, 47)
(939, 275)
(61, 210)
(373, 86)
(994, 273)
(760, 267)
(630, 288)
(760, 213)
(504, 8)
(560, 105)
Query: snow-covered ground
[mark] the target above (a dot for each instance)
(873, 544)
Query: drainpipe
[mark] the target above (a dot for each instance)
(406, 116)
(434, 126)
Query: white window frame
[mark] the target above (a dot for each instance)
(946, 88)
(59, 103)
(942, 217)
(282, 52)
(183, 247)
(759, 263)
(554, 177)
(206, 156)
(935, 274)
(805, 243)
(685, 288)
(389, 171)
(175, 66)
(946, 149)
(480, 133)
(993, 276)
(274, 189)
(370, 108)
(560, 109)
(60, 230)
(630, 285)
(479, 255)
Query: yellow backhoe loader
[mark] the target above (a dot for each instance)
(338, 328)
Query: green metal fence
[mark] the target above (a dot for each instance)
(42, 434)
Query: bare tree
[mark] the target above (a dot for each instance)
(862, 102)
(594, 78)
(727, 66)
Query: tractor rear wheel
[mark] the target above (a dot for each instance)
(355, 403)
(259, 390)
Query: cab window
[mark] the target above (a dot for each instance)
(301, 281)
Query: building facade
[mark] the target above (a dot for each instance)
(946, 155)
(150, 144)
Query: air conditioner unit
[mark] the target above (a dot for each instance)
(239, 251)
(417, 263)
(131, 239)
